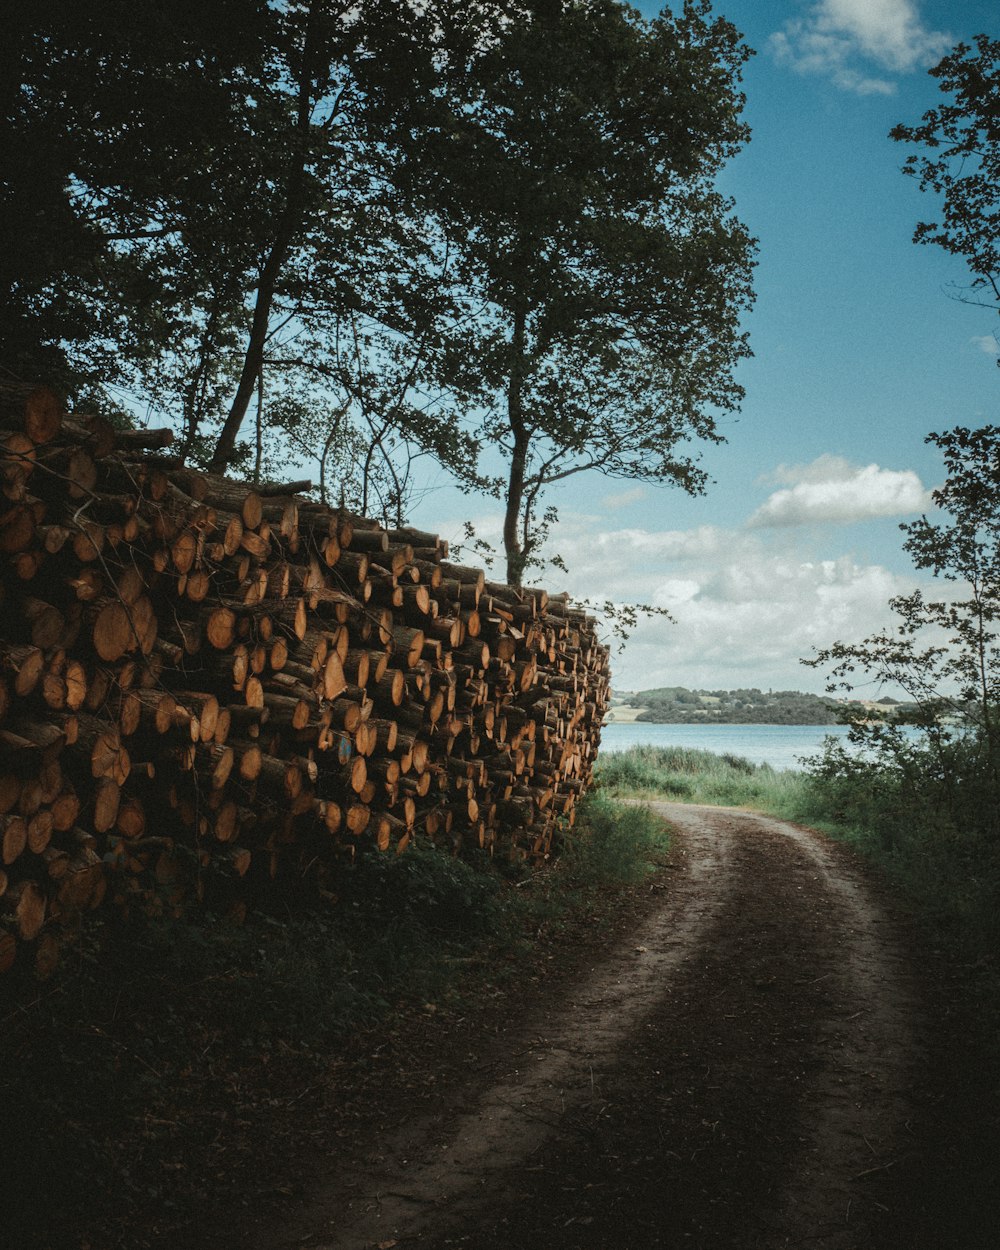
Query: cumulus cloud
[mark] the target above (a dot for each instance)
(987, 343)
(845, 40)
(831, 489)
(746, 605)
(651, 546)
(825, 468)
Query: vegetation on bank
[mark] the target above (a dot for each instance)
(692, 776)
(677, 705)
(926, 807)
(930, 809)
(162, 1064)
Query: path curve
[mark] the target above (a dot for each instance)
(735, 1074)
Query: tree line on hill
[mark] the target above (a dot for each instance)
(676, 705)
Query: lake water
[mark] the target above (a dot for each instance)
(781, 746)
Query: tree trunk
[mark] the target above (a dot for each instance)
(288, 223)
(194, 396)
(516, 555)
(254, 359)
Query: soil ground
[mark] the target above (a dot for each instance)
(757, 1055)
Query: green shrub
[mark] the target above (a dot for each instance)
(927, 812)
(613, 843)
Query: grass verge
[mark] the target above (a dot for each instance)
(164, 1062)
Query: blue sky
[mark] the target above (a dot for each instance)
(860, 350)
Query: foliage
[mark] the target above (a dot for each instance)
(963, 165)
(349, 291)
(921, 806)
(943, 652)
(613, 844)
(382, 231)
(106, 199)
(929, 807)
(676, 705)
(205, 210)
(601, 273)
(922, 810)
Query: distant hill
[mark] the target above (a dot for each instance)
(676, 705)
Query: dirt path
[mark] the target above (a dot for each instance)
(736, 1075)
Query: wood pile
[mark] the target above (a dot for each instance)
(207, 690)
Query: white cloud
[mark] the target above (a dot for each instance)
(987, 343)
(746, 607)
(831, 489)
(747, 604)
(651, 545)
(825, 468)
(623, 498)
(840, 39)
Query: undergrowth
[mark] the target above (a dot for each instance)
(615, 845)
(927, 815)
(122, 1073)
(928, 824)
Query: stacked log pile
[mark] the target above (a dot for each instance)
(206, 690)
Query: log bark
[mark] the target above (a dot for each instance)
(190, 672)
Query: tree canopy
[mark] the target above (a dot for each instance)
(961, 139)
(380, 229)
(198, 194)
(603, 273)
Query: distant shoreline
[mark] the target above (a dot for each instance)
(734, 724)
(678, 705)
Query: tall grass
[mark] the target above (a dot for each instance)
(693, 776)
(613, 844)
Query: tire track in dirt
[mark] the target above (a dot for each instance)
(735, 1075)
(849, 1005)
(869, 1056)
